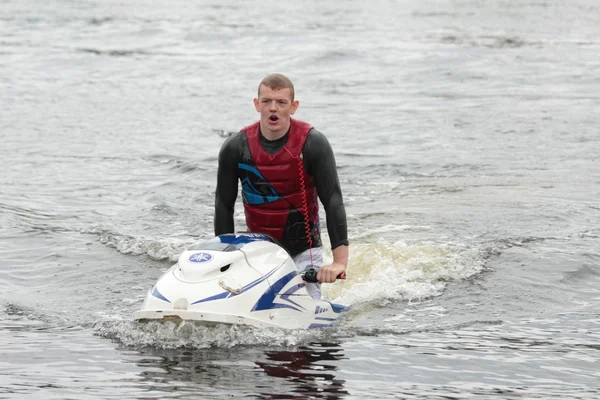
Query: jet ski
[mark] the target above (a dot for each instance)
(246, 279)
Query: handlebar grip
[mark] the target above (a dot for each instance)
(310, 275)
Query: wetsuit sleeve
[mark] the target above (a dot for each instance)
(227, 186)
(319, 162)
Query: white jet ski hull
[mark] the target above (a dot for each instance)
(243, 279)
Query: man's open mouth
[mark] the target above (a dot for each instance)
(274, 118)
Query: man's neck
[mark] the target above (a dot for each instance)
(269, 135)
(273, 146)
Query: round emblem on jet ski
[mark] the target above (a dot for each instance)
(200, 257)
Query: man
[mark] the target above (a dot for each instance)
(283, 164)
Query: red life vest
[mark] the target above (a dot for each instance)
(278, 193)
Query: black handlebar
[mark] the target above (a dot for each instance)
(310, 275)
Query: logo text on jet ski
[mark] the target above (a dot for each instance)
(200, 257)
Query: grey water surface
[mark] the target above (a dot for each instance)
(467, 140)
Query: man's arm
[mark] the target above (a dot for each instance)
(320, 164)
(227, 186)
(329, 273)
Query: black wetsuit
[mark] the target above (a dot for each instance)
(319, 162)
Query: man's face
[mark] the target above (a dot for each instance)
(275, 107)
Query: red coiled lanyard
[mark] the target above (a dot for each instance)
(304, 207)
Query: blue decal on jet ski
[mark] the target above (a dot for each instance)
(200, 257)
(159, 295)
(312, 326)
(319, 310)
(266, 301)
(249, 286)
(240, 240)
(337, 308)
(225, 295)
(219, 296)
(254, 195)
(326, 322)
(286, 296)
(261, 279)
(325, 319)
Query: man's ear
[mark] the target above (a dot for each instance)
(295, 105)
(256, 104)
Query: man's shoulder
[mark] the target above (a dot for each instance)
(231, 146)
(299, 124)
(316, 147)
(253, 127)
(234, 138)
(317, 138)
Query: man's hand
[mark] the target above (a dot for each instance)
(329, 273)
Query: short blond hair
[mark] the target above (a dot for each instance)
(277, 81)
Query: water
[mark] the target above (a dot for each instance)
(466, 139)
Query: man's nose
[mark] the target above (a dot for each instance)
(272, 105)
